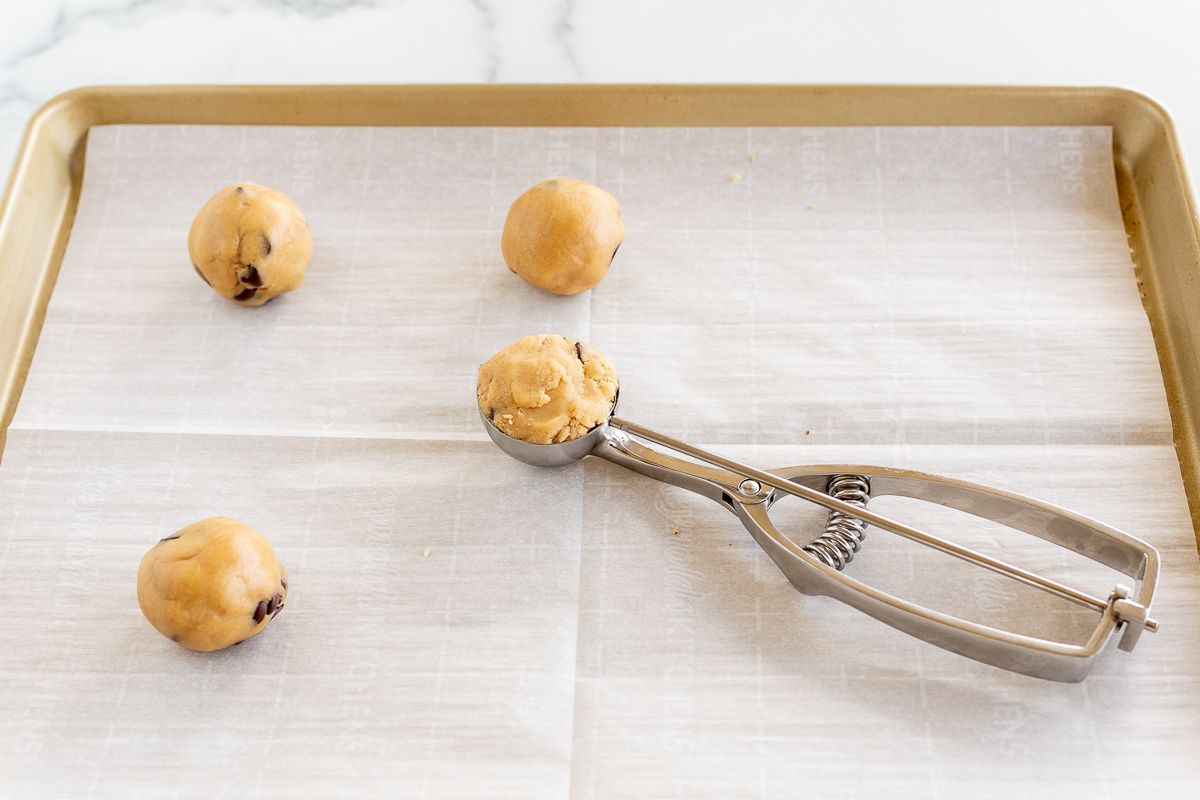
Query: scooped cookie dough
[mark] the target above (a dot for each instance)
(250, 243)
(546, 389)
(562, 235)
(212, 584)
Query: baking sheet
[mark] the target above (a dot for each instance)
(957, 300)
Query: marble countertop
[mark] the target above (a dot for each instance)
(47, 47)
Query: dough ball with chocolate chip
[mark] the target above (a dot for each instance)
(212, 584)
(562, 235)
(546, 389)
(250, 243)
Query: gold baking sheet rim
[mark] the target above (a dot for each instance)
(1157, 205)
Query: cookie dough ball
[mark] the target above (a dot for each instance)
(212, 584)
(546, 389)
(250, 243)
(562, 235)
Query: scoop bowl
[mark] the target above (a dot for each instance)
(557, 454)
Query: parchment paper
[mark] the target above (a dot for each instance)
(460, 625)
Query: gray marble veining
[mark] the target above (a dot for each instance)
(49, 47)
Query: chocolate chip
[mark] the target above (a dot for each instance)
(283, 583)
(579, 351)
(201, 274)
(240, 190)
(245, 294)
(249, 276)
(260, 611)
(266, 246)
(235, 644)
(274, 601)
(615, 249)
(169, 538)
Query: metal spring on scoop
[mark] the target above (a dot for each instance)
(843, 534)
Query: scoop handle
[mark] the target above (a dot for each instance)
(749, 493)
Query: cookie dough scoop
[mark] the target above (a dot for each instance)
(212, 584)
(532, 374)
(250, 243)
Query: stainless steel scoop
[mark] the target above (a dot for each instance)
(845, 489)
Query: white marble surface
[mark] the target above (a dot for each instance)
(47, 47)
